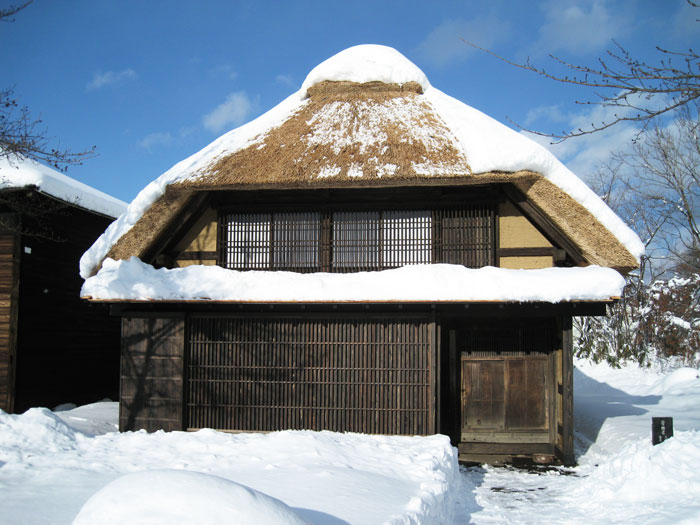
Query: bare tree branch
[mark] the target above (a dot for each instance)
(641, 91)
(22, 136)
(7, 13)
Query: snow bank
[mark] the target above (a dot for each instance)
(487, 144)
(24, 173)
(36, 432)
(92, 419)
(174, 497)
(642, 474)
(135, 280)
(48, 471)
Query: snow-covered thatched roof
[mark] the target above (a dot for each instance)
(369, 117)
(19, 173)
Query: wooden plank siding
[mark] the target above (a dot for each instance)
(67, 348)
(506, 370)
(357, 374)
(9, 283)
(152, 373)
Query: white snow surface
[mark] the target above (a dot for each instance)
(620, 477)
(366, 63)
(486, 144)
(50, 469)
(135, 280)
(180, 497)
(22, 173)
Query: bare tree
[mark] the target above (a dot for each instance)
(662, 175)
(21, 135)
(638, 90)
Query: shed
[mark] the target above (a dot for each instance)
(371, 255)
(54, 347)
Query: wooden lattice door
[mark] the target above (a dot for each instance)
(506, 384)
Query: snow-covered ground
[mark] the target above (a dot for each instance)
(621, 477)
(52, 463)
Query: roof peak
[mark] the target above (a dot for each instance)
(364, 64)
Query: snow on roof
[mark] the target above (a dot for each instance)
(134, 280)
(487, 145)
(366, 63)
(24, 173)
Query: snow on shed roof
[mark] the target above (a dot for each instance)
(26, 173)
(370, 114)
(134, 280)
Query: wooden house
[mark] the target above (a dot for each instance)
(54, 347)
(370, 255)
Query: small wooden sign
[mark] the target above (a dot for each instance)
(661, 429)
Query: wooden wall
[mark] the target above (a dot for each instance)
(67, 348)
(9, 288)
(347, 374)
(152, 373)
(274, 372)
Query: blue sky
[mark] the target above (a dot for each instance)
(151, 82)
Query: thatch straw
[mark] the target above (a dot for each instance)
(324, 145)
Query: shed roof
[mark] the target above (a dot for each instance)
(21, 173)
(369, 117)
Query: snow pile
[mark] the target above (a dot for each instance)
(49, 471)
(23, 173)
(92, 419)
(136, 280)
(174, 497)
(39, 431)
(645, 477)
(486, 144)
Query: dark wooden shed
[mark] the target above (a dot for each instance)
(483, 354)
(54, 347)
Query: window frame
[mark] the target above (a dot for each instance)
(442, 205)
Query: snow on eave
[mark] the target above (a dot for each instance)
(133, 280)
(20, 173)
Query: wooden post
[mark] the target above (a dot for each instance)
(567, 341)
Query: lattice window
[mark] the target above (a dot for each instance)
(356, 240)
(295, 241)
(347, 241)
(247, 241)
(280, 241)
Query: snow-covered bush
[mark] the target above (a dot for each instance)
(656, 323)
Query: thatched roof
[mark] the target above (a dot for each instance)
(346, 129)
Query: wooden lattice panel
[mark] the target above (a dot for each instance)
(269, 373)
